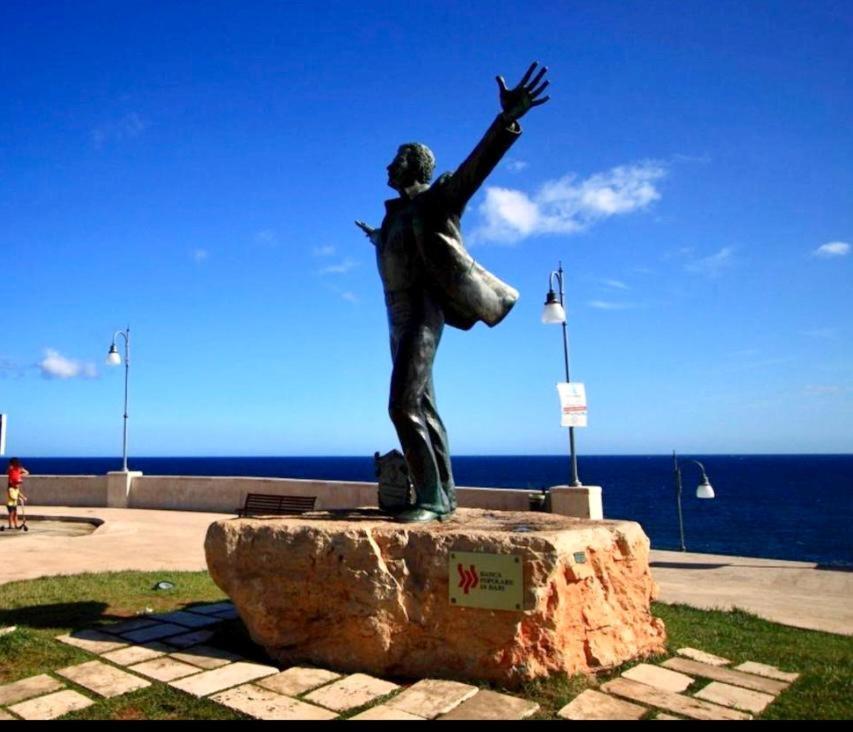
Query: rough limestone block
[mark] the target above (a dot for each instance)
(164, 669)
(591, 704)
(206, 657)
(351, 692)
(660, 678)
(735, 696)
(430, 697)
(687, 706)
(51, 706)
(5, 716)
(103, 679)
(771, 672)
(726, 675)
(490, 705)
(384, 713)
(261, 703)
(667, 717)
(378, 598)
(297, 680)
(28, 688)
(218, 679)
(697, 655)
(92, 641)
(136, 654)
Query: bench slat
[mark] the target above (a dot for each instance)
(272, 503)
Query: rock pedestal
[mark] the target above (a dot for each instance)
(355, 591)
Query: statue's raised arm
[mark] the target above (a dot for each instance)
(516, 102)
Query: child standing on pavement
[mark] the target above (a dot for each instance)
(15, 475)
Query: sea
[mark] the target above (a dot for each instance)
(795, 507)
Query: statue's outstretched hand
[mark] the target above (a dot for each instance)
(516, 102)
(370, 232)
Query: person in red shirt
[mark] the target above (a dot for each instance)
(15, 475)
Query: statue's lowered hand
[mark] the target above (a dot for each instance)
(517, 101)
(370, 232)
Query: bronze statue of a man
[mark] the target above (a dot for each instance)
(430, 279)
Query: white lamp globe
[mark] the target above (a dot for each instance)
(705, 490)
(553, 312)
(113, 357)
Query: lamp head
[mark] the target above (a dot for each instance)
(704, 490)
(113, 357)
(553, 312)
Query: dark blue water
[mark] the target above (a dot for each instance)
(776, 506)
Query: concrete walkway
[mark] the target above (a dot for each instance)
(792, 593)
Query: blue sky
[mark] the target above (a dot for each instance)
(193, 170)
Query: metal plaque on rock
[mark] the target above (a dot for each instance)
(488, 581)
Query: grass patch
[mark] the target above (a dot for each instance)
(47, 607)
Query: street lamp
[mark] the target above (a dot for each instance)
(114, 359)
(703, 490)
(553, 313)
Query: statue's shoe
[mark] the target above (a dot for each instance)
(414, 515)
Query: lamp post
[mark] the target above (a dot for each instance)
(114, 359)
(703, 490)
(554, 312)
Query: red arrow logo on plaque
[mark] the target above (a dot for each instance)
(468, 579)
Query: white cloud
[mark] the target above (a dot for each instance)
(516, 166)
(713, 264)
(614, 284)
(325, 251)
(832, 249)
(199, 255)
(567, 205)
(56, 366)
(127, 127)
(342, 267)
(349, 296)
(609, 305)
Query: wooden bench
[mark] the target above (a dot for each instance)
(264, 503)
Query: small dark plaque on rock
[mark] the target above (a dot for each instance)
(396, 492)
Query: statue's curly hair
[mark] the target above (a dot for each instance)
(423, 158)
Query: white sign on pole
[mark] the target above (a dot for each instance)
(572, 404)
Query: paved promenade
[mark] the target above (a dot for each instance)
(793, 593)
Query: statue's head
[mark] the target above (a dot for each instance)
(413, 163)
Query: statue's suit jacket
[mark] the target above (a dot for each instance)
(466, 291)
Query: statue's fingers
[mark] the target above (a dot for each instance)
(539, 101)
(536, 92)
(538, 76)
(501, 84)
(527, 74)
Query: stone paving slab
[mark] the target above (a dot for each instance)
(696, 655)
(219, 679)
(726, 675)
(490, 705)
(669, 701)
(210, 609)
(126, 626)
(185, 640)
(297, 680)
(206, 657)
(660, 678)
(136, 654)
(164, 669)
(190, 620)
(667, 717)
(230, 614)
(103, 679)
(430, 697)
(384, 713)
(261, 703)
(8, 629)
(771, 672)
(735, 696)
(93, 641)
(27, 688)
(351, 692)
(154, 632)
(591, 704)
(52, 706)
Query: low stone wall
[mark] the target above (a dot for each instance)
(66, 490)
(215, 494)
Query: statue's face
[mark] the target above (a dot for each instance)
(401, 171)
